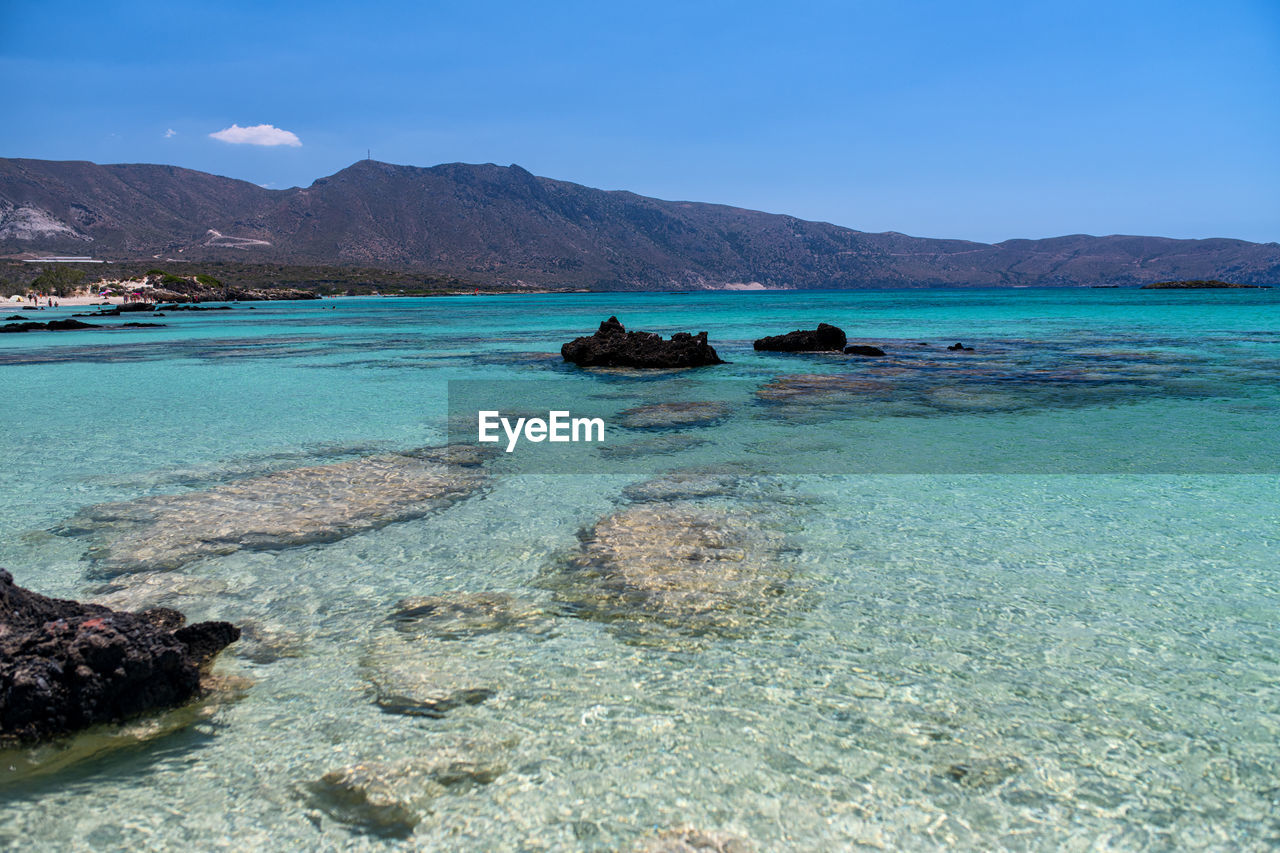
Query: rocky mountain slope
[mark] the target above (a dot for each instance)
(504, 225)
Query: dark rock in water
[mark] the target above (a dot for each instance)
(614, 346)
(204, 639)
(52, 326)
(65, 666)
(143, 325)
(690, 840)
(959, 347)
(15, 317)
(126, 308)
(825, 338)
(863, 349)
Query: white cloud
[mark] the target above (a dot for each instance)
(259, 134)
(170, 133)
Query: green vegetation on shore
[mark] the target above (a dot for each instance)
(54, 279)
(16, 277)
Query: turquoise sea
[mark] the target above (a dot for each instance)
(1019, 598)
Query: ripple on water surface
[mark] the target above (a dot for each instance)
(690, 656)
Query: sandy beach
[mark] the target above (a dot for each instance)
(78, 301)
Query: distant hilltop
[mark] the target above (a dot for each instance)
(505, 226)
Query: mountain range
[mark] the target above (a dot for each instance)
(503, 225)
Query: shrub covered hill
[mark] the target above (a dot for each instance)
(488, 224)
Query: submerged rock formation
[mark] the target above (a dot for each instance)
(65, 666)
(674, 415)
(685, 485)
(819, 387)
(389, 799)
(825, 338)
(413, 677)
(298, 506)
(658, 445)
(690, 566)
(451, 653)
(459, 615)
(863, 349)
(613, 346)
(985, 773)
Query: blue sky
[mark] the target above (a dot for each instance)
(982, 120)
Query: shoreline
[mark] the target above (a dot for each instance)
(66, 302)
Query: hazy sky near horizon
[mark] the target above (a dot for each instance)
(980, 120)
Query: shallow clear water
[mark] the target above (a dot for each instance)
(1023, 598)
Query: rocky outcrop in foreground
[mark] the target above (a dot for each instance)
(613, 346)
(65, 666)
(825, 338)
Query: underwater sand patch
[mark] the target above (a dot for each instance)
(690, 840)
